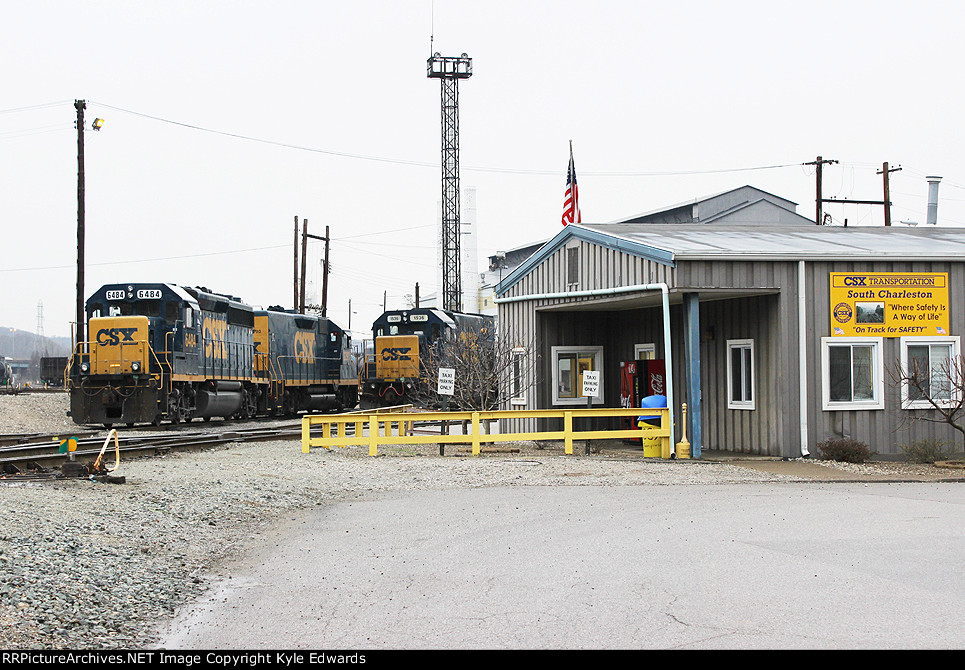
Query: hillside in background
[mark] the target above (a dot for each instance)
(22, 344)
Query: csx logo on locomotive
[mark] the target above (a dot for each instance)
(855, 281)
(396, 354)
(110, 337)
(215, 334)
(305, 347)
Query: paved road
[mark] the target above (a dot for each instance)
(755, 566)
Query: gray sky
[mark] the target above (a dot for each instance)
(664, 102)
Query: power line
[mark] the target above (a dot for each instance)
(412, 163)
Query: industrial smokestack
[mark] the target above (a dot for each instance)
(931, 217)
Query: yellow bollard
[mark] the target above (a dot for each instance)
(683, 447)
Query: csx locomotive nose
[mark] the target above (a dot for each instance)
(119, 345)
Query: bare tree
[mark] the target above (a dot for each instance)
(938, 387)
(487, 369)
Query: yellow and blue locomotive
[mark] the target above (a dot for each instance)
(395, 368)
(160, 352)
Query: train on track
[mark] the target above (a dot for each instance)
(163, 352)
(6, 372)
(396, 368)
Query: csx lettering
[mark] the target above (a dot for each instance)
(109, 337)
(305, 347)
(396, 354)
(855, 281)
(215, 334)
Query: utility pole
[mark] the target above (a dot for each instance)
(325, 278)
(80, 106)
(295, 268)
(887, 202)
(819, 163)
(305, 236)
(301, 301)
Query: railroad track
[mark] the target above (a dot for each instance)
(41, 452)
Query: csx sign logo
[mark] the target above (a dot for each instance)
(111, 337)
(396, 354)
(855, 281)
(215, 333)
(305, 346)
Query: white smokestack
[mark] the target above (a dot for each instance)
(931, 217)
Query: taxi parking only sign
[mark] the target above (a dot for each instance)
(889, 304)
(591, 383)
(447, 381)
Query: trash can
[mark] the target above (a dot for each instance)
(652, 446)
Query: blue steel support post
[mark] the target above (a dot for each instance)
(692, 358)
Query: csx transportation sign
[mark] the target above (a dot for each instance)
(889, 304)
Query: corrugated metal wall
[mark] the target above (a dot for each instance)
(770, 319)
(527, 325)
(883, 430)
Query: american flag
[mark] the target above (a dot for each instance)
(571, 201)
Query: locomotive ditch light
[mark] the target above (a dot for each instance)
(85, 368)
(97, 124)
(136, 366)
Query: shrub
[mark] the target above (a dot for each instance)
(926, 451)
(845, 450)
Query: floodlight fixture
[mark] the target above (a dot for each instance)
(446, 67)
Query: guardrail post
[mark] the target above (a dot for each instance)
(373, 434)
(568, 432)
(306, 435)
(475, 433)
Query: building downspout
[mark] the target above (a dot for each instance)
(802, 357)
(665, 291)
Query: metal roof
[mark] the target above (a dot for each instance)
(735, 242)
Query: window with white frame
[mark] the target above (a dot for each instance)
(517, 394)
(740, 374)
(932, 361)
(852, 373)
(644, 352)
(569, 363)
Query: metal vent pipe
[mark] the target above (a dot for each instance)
(931, 217)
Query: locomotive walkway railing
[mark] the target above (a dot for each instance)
(394, 427)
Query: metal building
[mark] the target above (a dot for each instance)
(782, 334)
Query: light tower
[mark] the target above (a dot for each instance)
(449, 71)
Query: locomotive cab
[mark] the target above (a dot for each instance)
(402, 339)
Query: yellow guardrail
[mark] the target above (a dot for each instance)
(375, 429)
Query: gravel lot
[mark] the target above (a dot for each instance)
(86, 565)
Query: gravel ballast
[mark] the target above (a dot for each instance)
(90, 565)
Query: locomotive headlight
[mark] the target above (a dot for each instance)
(136, 366)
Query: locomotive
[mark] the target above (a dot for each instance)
(160, 352)
(401, 340)
(6, 373)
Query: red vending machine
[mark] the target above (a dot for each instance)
(639, 379)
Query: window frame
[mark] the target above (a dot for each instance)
(954, 342)
(591, 350)
(745, 345)
(517, 378)
(877, 402)
(647, 348)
